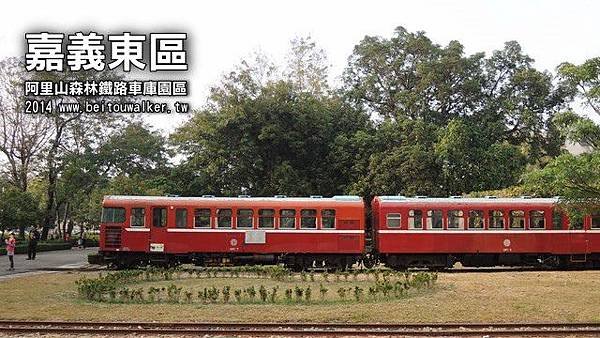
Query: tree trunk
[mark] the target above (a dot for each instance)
(49, 217)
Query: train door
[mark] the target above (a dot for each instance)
(578, 239)
(158, 230)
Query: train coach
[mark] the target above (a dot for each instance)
(438, 232)
(300, 232)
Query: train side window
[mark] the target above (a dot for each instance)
(393, 220)
(576, 222)
(308, 218)
(596, 220)
(456, 220)
(138, 218)
(517, 219)
(181, 218)
(202, 218)
(266, 218)
(328, 219)
(475, 219)
(113, 215)
(537, 220)
(557, 220)
(435, 219)
(244, 218)
(496, 220)
(224, 218)
(287, 219)
(159, 217)
(415, 219)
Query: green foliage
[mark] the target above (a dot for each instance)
(584, 79)
(18, 209)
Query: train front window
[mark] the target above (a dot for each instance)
(138, 217)
(202, 218)
(159, 217)
(496, 220)
(287, 219)
(266, 218)
(244, 218)
(393, 220)
(476, 219)
(309, 218)
(113, 215)
(596, 220)
(328, 219)
(517, 219)
(224, 218)
(456, 220)
(181, 218)
(435, 219)
(537, 221)
(415, 219)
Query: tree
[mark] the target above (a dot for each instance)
(18, 210)
(278, 142)
(578, 129)
(307, 66)
(585, 80)
(22, 136)
(575, 178)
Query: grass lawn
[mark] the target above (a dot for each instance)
(485, 297)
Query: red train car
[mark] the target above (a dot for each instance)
(437, 232)
(300, 232)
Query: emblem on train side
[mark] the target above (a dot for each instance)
(233, 242)
(506, 242)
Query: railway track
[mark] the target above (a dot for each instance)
(301, 329)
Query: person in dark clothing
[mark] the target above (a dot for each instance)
(34, 236)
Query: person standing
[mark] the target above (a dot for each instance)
(11, 243)
(34, 236)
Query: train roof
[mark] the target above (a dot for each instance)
(242, 198)
(467, 200)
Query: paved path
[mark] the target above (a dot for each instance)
(61, 259)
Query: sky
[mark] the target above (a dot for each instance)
(221, 33)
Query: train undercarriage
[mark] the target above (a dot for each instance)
(446, 261)
(332, 262)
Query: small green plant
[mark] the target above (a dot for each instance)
(251, 291)
(188, 296)
(312, 276)
(237, 293)
(358, 292)
(263, 293)
(226, 293)
(288, 295)
(307, 294)
(273, 294)
(342, 293)
(298, 292)
(323, 291)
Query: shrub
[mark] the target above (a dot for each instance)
(263, 293)
(323, 290)
(358, 293)
(238, 295)
(308, 294)
(251, 291)
(298, 292)
(226, 293)
(288, 295)
(342, 293)
(273, 295)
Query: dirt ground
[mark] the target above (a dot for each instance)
(560, 296)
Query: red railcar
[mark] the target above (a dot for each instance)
(300, 232)
(437, 232)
